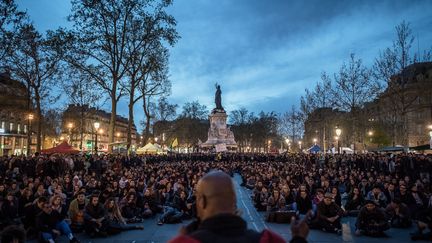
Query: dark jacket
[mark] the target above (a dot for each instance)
(94, 212)
(46, 222)
(365, 217)
(227, 228)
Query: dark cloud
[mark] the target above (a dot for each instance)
(265, 53)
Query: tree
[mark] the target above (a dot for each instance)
(164, 111)
(143, 47)
(241, 127)
(82, 91)
(194, 110)
(154, 84)
(10, 22)
(353, 87)
(102, 31)
(389, 69)
(35, 60)
(291, 125)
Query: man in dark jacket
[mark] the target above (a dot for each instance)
(328, 215)
(371, 220)
(50, 224)
(94, 218)
(218, 222)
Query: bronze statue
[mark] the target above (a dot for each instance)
(218, 98)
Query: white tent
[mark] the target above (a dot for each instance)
(150, 149)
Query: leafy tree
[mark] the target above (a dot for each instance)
(36, 60)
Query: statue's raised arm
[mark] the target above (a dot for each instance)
(218, 98)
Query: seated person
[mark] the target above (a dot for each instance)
(273, 201)
(94, 218)
(177, 210)
(328, 216)
(288, 195)
(303, 202)
(31, 212)
(50, 224)
(116, 222)
(377, 196)
(424, 222)
(354, 203)
(129, 209)
(371, 220)
(398, 214)
(260, 200)
(76, 212)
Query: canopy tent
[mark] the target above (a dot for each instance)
(421, 147)
(391, 149)
(314, 149)
(150, 149)
(62, 148)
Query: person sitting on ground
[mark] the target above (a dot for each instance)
(51, 224)
(371, 220)
(31, 213)
(398, 214)
(76, 212)
(377, 196)
(174, 212)
(354, 203)
(116, 222)
(328, 215)
(424, 222)
(218, 222)
(95, 223)
(289, 197)
(303, 203)
(130, 211)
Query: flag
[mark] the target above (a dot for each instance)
(174, 143)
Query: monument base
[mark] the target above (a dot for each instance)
(219, 135)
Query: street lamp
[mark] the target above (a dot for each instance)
(315, 141)
(300, 143)
(30, 118)
(430, 135)
(96, 126)
(338, 133)
(70, 125)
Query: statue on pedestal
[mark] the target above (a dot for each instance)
(218, 98)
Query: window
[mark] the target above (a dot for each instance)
(11, 125)
(25, 128)
(3, 125)
(19, 128)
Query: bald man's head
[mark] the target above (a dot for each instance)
(215, 195)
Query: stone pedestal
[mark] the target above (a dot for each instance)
(219, 133)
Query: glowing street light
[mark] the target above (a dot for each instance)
(338, 133)
(300, 143)
(96, 126)
(315, 141)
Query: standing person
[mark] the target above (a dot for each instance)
(218, 222)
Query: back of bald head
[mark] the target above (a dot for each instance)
(218, 188)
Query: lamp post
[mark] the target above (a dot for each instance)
(70, 125)
(300, 143)
(315, 141)
(96, 126)
(338, 133)
(30, 118)
(430, 135)
(288, 142)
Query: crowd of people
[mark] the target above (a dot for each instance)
(101, 195)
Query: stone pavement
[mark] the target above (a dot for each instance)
(154, 233)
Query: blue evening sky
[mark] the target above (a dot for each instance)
(265, 53)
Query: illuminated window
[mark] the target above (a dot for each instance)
(11, 127)
(19, 128)
(25, 128)
(2, 124)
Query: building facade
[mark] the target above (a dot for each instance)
(78, 127)
(14, 117)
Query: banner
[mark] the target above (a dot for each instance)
(174, 143)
